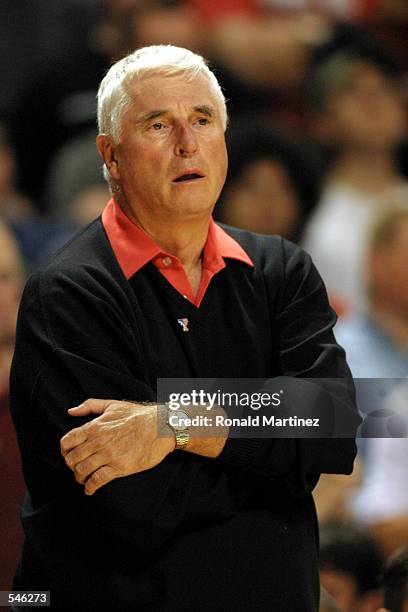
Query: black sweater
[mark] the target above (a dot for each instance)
(192, 533)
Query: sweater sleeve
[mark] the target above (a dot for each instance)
(72, 344)
(302, 327)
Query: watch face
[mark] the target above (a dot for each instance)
(177, 419)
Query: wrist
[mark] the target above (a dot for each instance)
(163, 428)
(206, 437)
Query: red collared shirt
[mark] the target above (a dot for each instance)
(134, 249)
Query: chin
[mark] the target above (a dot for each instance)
(194, 208)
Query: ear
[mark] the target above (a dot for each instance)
(108, 152)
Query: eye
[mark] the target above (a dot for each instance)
(157, 126)
(203, 121)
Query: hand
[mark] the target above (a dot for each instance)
(122, 440)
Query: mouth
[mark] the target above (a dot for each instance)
(188, 176)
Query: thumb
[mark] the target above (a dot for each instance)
(90, 406)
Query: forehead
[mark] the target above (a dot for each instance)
(154, 92)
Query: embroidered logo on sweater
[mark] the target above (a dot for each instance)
(184, 324)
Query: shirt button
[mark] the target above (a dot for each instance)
(166, 262)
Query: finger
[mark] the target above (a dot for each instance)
(90, 406)
(84, 469)
(72, 439)
(82, 452)
(99, 478)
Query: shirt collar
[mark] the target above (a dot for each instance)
(133, 248)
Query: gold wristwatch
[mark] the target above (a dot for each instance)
(176, 420)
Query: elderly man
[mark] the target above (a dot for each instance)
(157, 518)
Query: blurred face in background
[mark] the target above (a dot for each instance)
(343, 588)
(89, 204)
(7, 165)
(155, 24)
(367, 113)
(388, 271)
(262, 200)
(10, 286)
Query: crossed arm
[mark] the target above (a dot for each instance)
(126, 438)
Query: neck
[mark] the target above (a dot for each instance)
(368, 170)
(392, 321)
(184, 238)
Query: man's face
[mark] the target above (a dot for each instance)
(171, 161)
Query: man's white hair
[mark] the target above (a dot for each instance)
(114, 95)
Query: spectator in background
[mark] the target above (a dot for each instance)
(395, 583)
(11, 279)
(34, 234)
(35, 32)
(359, 113)
(167, 22)
(391, 9)
(376, 344)
(11, 484)
(351, 565)
(272, 183)
(382, 332)
(339, 9)
(334, 493)
(327, 602)
(75, 168)
(76, 190)
(14, 207)
(382, 501)
(59, 102)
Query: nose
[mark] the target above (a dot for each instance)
(186, 142)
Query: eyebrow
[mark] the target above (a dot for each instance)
(152, 115)
(204, 109)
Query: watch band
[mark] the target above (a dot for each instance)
(182, 438)
(181, 430)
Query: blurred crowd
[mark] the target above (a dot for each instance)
(317, 93)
